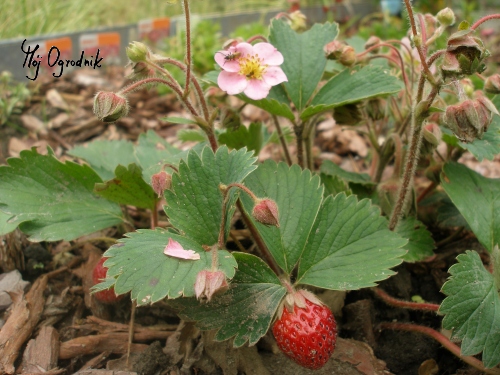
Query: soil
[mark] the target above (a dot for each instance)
(90, 337)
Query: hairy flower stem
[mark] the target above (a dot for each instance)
(443, 340)
(282, 140)
(391, 301)
(261, 246)
(188, 46)
(484, 19)
(257, 37)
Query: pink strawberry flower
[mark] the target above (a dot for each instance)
(250, 69)
(175, 249)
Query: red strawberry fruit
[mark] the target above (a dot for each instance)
(306, 334)
(98, 274)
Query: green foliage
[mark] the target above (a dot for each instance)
(12, 98)
(478, 200)
(253, 137)
(472, 308)
(246, 310)
(52, 201)
(194, 203)
(420, 243)
(138, 265)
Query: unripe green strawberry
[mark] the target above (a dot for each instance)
(98, 274)
(306, 334)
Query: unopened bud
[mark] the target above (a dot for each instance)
(208, 283)
(430, 23)
(469, 119)
(137, 52)
(333, 49)
(160, 182)
(446, 17)
(141, 70)
(109, 107)
(348, 56)
(492, 84)
(432, 134)
(298, 21)
(265, 211)
(373, 41)
(467, 86)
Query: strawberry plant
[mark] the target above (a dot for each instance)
(313, 228)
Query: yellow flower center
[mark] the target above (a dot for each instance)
(251, 67)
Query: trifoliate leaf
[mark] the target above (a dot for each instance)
(194, 203)
(5, 225)
(252, 137)
(478, 200)
(350, 246)
(128, 188)
(472, 308)
(52, 201)
(298, 196)
(246, 310)
(334, 185)
(138, 265)
(420, 243)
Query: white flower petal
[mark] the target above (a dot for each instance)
(274, 76)
(175, 249)
(257, 89)
(232, 83)
(268, 53)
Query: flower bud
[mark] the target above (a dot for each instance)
(446, 17)
(372, 41)
(208, 283)
(298, 21)
(109, 107)
(137, 52)
(469, 119)
(492, 84)
(375, 109)
(265, 211)
(348, 56)
(140, 71)
(432, 134)
(430, 23)
(333, 50)
(464, 55)
(160, 182)
(467, 86)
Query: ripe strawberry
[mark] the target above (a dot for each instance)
(306, 334)
(99, 273)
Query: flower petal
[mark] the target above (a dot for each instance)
(221, 58)
(257, 89)
(268, 53)
(175, 249)
(232, 83)
(274, 75)
(244, 48)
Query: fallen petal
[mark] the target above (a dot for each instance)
(175, 249)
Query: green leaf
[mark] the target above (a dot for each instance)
(138, 265)
(252, 137)
(104, 156)
(487, 147)
(52, 201)
(350, 246)
(128, 188)
(351, 87)
(6, 226)
(246, 310)
(448, 214)
(298, 196)
(330, 168)
(420, 243)
(152, 152)
(179, 120)
(472, 308)
(304, 58)
(334, 185)
(190, 135)
(276, 102)
(194, 203)
(478, 200)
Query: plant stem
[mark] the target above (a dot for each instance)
(154, 215)
(484, 19)
(263, 250)
(391, 301)
(188, 46)
(257, 37)
(300, 144)
(282, 140)
(443, 340)
(426, 191)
